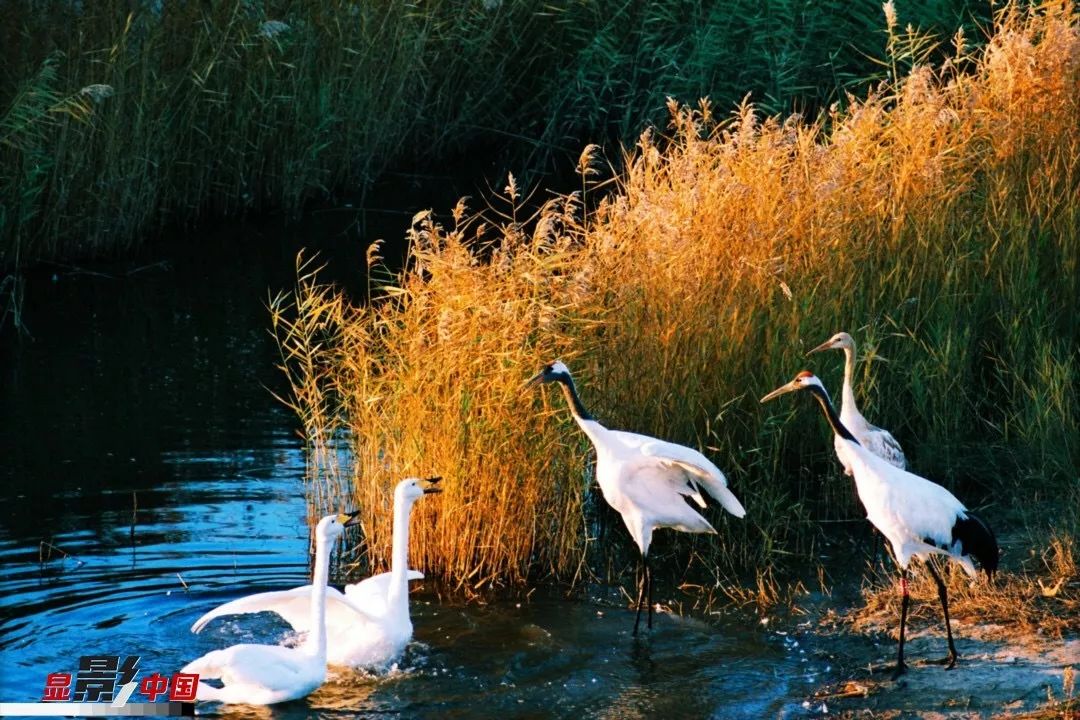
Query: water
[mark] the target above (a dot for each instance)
(149, 476)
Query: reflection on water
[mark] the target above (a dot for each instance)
(149, 476)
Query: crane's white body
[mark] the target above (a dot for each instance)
(646, 480)
(908, 510)
(877, 440)
(369, 624)
(919, 518)
(267, 674)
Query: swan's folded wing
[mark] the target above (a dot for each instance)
(294, 607)
(370, 593)
(260, 667)
(703, 471)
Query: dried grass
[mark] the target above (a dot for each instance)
(1038, 601)
(937, 219)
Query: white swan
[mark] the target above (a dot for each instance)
(267, 674)
(369, 624)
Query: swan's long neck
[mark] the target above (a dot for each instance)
(316, 641)
(830, 413)
(847, 395)
(398, 594)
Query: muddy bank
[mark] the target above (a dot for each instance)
(1023, 677)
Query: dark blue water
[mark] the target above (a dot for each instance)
(148, 475)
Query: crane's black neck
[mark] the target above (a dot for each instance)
(830, 413)
(570, 391)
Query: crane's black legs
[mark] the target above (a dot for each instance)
(950, 661)
(648, 575)
(644, 587)
(640, 592)
(900, 666)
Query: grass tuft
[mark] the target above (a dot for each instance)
(1039, 599)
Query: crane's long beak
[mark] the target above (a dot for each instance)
(352, 518)
(827, 345)
(533, 382)
(431, 489)
(790, 387)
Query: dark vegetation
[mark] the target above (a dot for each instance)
(120, 116)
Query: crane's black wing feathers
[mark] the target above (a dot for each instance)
(977, 540)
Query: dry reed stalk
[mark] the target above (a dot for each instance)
(936, 218)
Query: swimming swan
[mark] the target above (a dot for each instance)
(267, 674)
(368, 625)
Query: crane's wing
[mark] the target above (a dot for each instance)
(655, 493)
(884, 445)
(701, 470)
(370, 593)
(294, 607)
(908, 509)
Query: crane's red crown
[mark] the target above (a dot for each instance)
(805, 374)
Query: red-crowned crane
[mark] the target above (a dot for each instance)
(919, 518)
(646, 480)
(873, 438)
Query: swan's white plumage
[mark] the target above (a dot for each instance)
(256, 675)
(366, 598)
(291, 605)
(267, 674)
(372, 593)
(368, 625)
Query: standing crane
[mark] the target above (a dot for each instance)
(872, 438)
(647, 481)
(919, 518)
